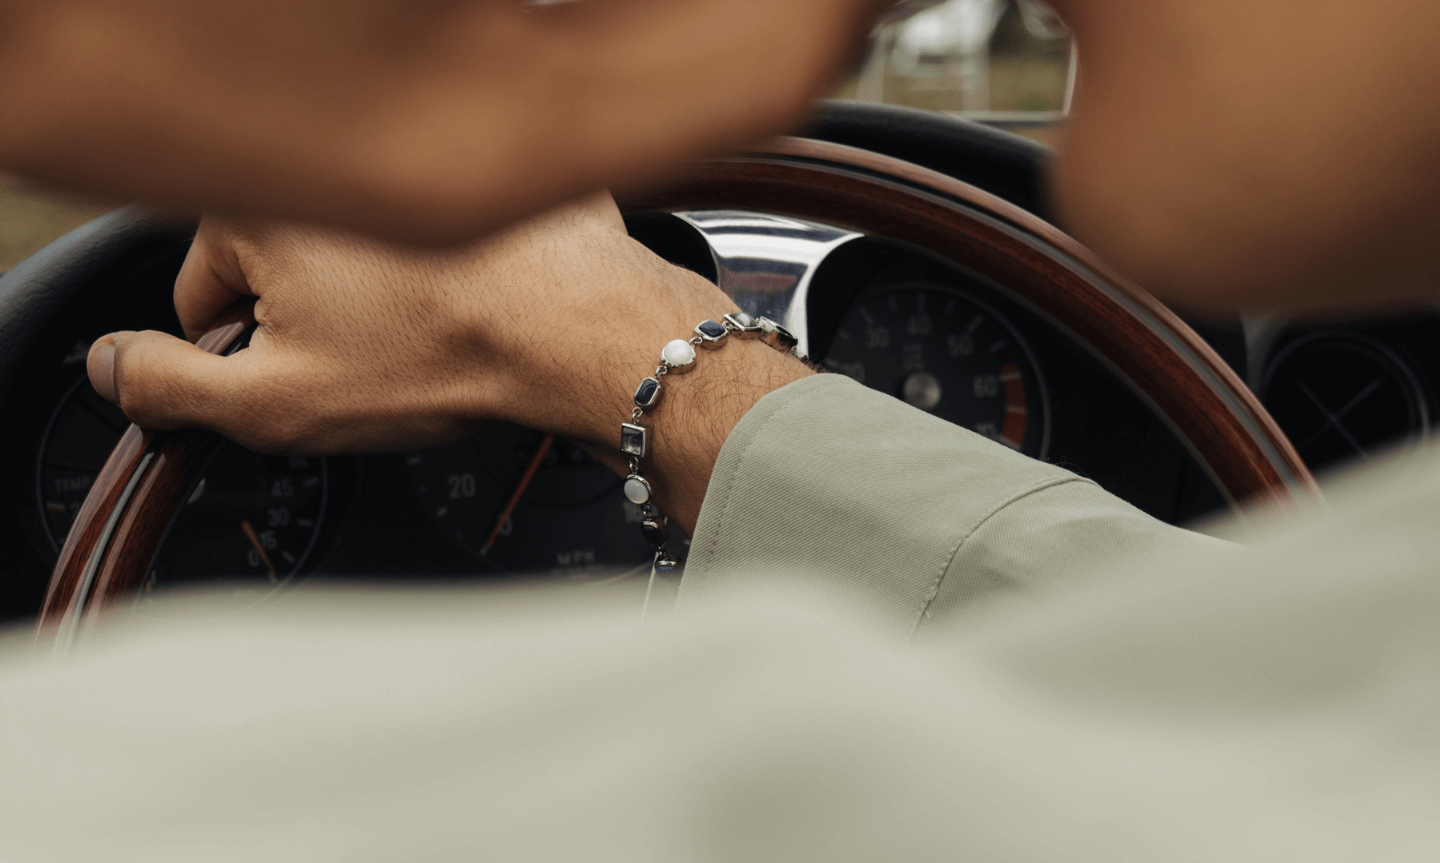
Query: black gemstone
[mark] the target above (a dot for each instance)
(648, 393)
(711, 330)
(655, 532)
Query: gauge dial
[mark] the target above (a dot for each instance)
(946, 353)
(527, 503)
(1342, 395)
(81, 434)
(250, 523)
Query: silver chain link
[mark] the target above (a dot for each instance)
(648, 510)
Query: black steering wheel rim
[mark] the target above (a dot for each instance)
(1006, 165)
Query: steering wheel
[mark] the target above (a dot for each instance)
(131, 504)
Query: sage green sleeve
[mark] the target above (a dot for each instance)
(831, 487)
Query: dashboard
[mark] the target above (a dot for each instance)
(512, 504)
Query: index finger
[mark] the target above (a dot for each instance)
(210, 281)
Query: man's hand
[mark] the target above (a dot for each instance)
(365, 346)
(428, 120)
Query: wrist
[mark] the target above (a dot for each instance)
(685, 429)
(577, 376)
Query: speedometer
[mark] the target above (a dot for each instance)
(949, 354)
(251, 523)
(530, 504)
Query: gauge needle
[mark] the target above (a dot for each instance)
(259, 549)
(534, 465)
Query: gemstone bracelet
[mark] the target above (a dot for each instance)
(677, 358)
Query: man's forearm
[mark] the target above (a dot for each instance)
(1265, 154)
(431, 121)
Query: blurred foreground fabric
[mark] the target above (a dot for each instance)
(1279, 702)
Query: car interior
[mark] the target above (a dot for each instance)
(909, 250)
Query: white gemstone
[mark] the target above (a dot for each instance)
(678, 353)
(637, 491)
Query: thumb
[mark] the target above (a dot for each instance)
(162, 382)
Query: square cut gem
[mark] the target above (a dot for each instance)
(775, 335)
(632, 439)
(745, 326)
(647, 394)
(711, 334)
(655, 531)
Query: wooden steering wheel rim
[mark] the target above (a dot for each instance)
(136, 496)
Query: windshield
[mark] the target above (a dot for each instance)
(1002, 62)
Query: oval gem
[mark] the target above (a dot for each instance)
(637, 490)
(678, 353)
